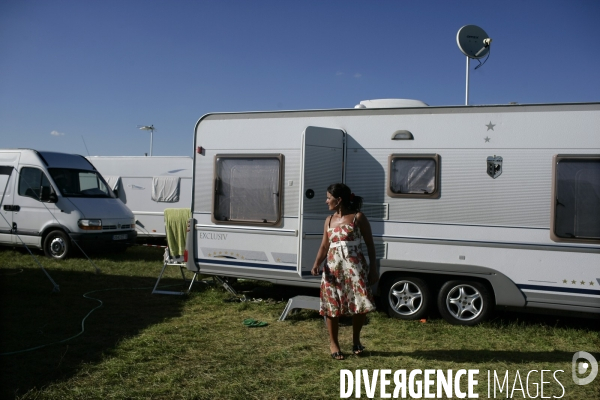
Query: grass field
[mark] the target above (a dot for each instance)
(143, 346)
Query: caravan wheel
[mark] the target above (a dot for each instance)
(407, 298)
(57, 245)
(464, 302)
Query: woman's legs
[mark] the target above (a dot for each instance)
(358, 320)
(334, 344)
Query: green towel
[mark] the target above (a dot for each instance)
(176, 228)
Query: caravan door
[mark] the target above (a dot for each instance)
(323, 152)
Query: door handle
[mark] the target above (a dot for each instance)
(11, 208)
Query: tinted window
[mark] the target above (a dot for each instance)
(31, 181)
(79, 183)
(577, 198)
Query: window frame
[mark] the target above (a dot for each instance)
(433, 195)
(555, 160)
(279, 157)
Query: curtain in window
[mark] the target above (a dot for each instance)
(413, 176)
(578, 199)
(247, 189)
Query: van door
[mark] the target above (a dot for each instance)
(32, 213)
(8, 176)
(6, 200)
(323, 152)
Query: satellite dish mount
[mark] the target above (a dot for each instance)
(473, 42)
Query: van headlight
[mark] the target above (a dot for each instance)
(90, 224)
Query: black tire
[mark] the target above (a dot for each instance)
(406, 298)
(57, 245)
(464, 302)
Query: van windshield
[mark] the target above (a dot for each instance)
(79, 183)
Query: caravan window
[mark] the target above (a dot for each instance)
(247, 189)
(31, 181)
(414, 175)
(576, 198)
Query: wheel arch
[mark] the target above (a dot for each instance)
(505, 291)
(53, 227)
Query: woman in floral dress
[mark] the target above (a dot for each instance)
(346, 279)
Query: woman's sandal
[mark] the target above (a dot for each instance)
(358, 349)
(338, 355)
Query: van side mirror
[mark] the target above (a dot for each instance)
(47, 195)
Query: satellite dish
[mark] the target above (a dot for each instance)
(473, 41)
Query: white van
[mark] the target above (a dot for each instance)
(50, 200)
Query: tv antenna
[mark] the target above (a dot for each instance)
(474, 43)
(150, 128)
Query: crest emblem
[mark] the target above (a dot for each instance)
(494, 166)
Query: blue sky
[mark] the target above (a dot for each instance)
(94, 70)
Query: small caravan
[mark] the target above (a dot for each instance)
(56, 201)
(148, 185)
(471, 207)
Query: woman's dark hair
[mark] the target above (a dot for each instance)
(349, 200)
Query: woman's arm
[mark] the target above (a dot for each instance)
(323, 249)
(365, 229)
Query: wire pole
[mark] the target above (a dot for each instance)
(467, 87)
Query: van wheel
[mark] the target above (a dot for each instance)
(407, 298)
(464, 302)
(57, 245)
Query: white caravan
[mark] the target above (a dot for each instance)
(50, 200)
(471, 207)
(148, 185)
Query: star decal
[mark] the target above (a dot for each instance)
(490, 126)
(564, 281)
(573, 282)
(487, 139)
(582, 282)
(591, 283)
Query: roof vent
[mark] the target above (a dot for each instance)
(390, 103)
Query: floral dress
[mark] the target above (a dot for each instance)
(344, 289)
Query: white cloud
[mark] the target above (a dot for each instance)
(357, 75)
(57, 133)
(339, 73)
